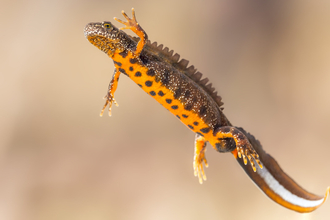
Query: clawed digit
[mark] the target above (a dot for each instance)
(198, 167)
(248, 153)
(134, 26)
(109, 100)
(130, 23)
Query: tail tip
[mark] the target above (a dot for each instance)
(327, 193)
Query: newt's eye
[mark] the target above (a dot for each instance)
(107, 25)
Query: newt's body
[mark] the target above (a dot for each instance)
(180, 90)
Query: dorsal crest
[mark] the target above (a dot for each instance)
(182, 66)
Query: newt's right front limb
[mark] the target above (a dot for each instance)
(111, 91)
(134, 26)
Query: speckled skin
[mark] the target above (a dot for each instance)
(180, 90)
(172, 84)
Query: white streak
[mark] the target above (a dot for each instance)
(283, 192)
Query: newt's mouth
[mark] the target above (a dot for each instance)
(92, 29)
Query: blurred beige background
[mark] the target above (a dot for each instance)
(60, 160)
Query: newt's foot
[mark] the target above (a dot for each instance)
(243, 146)
(109, 100)
(198, 167)
(246, 151)
(130, 23)
(199, 158)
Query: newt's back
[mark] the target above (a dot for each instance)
(184, 95)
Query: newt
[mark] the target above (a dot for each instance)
(182, 91)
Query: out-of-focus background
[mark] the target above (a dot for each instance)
(59, 160)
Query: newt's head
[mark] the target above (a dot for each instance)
(104, 36)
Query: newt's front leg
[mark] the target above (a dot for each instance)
(134, 26)
(111, 91)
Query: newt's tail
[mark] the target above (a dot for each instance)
(277, 185)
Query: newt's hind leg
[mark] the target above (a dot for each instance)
(111, 91)
(199, 158)
(134, 26)
(243, 146)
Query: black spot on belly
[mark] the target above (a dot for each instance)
(200, 134)
(191, 127)
(160, 93)
(195, 123)
(151, 72)
(185, 116)
(205, 130)
(152, 93)
(169, 101)
(148, 83)
(133, 60)
(131, 68)
(138, 74)
(139, 85)
(123, 54)
(117, 63)
(178, 116)
(174, 107)
(122, 71)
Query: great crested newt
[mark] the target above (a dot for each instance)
(182, 91)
